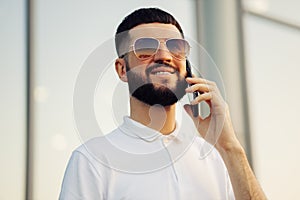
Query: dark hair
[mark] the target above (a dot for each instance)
(143, 16)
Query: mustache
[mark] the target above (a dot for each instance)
(159, 64)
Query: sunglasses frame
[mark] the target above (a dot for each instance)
(160, 42)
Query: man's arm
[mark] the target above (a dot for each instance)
(244, 183)
(217, 129)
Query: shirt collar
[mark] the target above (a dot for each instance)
(135, 129)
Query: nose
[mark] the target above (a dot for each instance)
(163, 53)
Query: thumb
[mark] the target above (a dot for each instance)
(188, 109)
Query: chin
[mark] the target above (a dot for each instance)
(165, 84)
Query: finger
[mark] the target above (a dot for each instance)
(212, 86)
(189, 111)
(198, 87)
(197, 120)
(202, 97)
(194, 80)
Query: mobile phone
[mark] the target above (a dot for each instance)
(195, 108)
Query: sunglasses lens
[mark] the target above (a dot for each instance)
(145, 47)
(178, 47)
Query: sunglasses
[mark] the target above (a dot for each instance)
(145, 48)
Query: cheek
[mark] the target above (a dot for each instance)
(182, 68)
(135, 65)
(138, 71)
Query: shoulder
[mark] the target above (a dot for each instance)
(98, 150)
(84, 178)
(96, 146)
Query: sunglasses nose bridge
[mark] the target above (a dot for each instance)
(162, 52)
(162, 45)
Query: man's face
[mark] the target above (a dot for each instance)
(159, 79)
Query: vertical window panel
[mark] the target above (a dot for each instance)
(12, 101)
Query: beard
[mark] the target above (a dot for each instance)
(155, 93)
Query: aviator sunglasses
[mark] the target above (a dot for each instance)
(145, 48)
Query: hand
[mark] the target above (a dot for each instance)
(216, 128)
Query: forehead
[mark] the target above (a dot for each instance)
(156, 30)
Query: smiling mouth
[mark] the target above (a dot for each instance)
(163, 71)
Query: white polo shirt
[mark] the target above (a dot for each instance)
(136, 162)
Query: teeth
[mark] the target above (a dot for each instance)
(162, 73)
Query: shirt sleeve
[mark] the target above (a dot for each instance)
(81, 180)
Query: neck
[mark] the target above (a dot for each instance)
(157, 117)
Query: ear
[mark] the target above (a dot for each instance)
(120, 67)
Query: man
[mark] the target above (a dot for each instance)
(151, 155)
